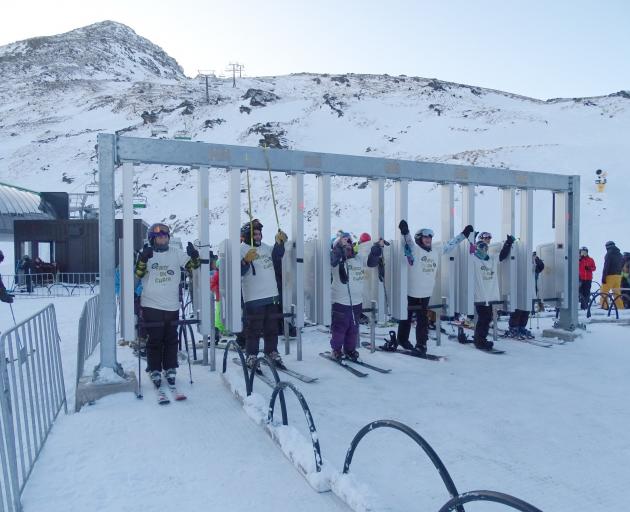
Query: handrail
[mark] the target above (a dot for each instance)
(444, 474)
(601, 294)
(497, 497)
(280, 386)
(248, 387)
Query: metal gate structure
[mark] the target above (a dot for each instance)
(455, 282)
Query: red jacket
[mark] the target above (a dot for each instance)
(214, 285)
(587, 265)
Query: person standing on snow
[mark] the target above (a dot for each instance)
(587, 266)
(348, 279)
(158, 267)
(260, 265)
(611, 275)
(421, 274)
(486, 288)
(4, 295)
(519, 317)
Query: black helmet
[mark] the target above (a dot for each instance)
(584, 249)
(246, 234)
(609, 244)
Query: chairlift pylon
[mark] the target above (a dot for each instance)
(92, 187)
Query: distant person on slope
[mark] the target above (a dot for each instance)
(4, 295)
(486, 288)
(158, 267)
(260, 266)
(611, 275)
(423, 264)
(587, 267)
(348, 278)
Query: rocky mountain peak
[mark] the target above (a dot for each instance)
(103, 51)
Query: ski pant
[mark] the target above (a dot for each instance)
(344, 326)
(612, 283)
(261, 321)
(484, 317)
(585, 293)
(518, 318)
(422, 321)
(162, 339)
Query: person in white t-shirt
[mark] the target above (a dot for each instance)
(159, 268)
(348, 278)
(261, 265)
(486, 288)
(423, 264)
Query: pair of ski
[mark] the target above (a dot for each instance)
(504, 334)
(344, 364)
(296, 375)
(464, 340)
(413, 352)
(163, 398)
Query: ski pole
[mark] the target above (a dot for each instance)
(11, 306)
(139, 394)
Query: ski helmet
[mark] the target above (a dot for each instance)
(484, 235)
(158, 229)
(365, 237)
(1, 256)
(585, 249)
(246, 230)
(609, 244)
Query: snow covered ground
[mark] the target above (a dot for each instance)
(548, 425)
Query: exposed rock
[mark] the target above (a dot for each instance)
(211, 123)
(259, 98)
(272, 133)
(334, 104)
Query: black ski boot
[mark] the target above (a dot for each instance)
(422, 348)
(461, 335)
(483, 344)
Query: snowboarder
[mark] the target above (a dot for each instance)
(587, 266)
(486, 288)
(611, 275)
(260, 265)
(421, 275)
(4, 295)
(158, 267)
(519, 317)
(348, 278)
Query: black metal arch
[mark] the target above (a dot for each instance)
(610, 307)
(614, 302)
(248, 385)
(444, 474)
(252, 374)
(280, 386)
(497, 497)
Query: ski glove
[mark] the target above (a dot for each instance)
(281, 237)
(6, 297)
(509, 240)
(467, 231)
(192, 252)
(404, 228)
(250, 255)
(146, 254)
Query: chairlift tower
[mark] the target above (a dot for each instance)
(205, 74)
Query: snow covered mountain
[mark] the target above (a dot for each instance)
(59, 92)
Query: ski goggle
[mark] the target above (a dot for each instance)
(485, 234)
(160, 229)
(425, 232)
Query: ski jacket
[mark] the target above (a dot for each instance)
(160, 283)
(613, 261)
(349, 276)
(214, 285)
(421, 275)
(587, 266)
(258, 279)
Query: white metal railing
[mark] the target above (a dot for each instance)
(61, 284)
(88, 340)
(31, 395)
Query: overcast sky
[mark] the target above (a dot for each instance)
(539, 48)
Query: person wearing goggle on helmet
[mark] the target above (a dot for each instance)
(422, 270)
(486, 281)
(586, 269)
(159, 269)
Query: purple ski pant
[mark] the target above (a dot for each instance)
(344, 326)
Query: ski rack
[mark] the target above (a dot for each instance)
(278, 390)
(611, 300)
(457, 500)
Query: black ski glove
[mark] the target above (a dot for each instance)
(467, 231)
(146, 254)
(509, 240)
(6, 297)
(404, 228)
(192, 252)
